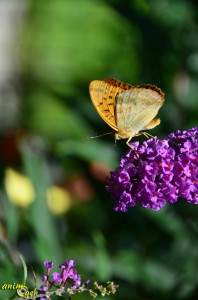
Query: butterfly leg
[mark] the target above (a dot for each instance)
(147, 135)
(150, 125)
(132, 148)
(130, 138)
(127, 142)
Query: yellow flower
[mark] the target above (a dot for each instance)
(19, 188)
(58, 199)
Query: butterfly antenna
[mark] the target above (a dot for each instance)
(96, 136)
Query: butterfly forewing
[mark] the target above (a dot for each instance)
(136, 108)
(103, 95)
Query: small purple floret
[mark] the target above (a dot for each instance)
(48, 264)
(45, 278)
(56, 277)
(157, 172)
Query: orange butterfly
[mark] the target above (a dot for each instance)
(126, 108)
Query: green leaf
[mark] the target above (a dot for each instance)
(48, 116)
(76, 40)
(24, 269)
(89, 150)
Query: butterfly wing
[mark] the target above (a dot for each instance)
(136, 107)
(103, 95)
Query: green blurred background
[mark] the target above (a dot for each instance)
(52, 51)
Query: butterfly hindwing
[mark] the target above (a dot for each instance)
(136, 108)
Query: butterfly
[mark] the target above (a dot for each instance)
(125, 108)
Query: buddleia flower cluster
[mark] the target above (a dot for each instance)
(68, 281)
(157, 172)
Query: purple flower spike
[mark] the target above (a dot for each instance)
(67, 280)
(157, 172)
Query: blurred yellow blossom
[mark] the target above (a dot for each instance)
(19, 188)
(58, 199)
